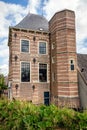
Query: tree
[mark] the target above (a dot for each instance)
(2, 84)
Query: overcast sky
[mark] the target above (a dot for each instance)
(13, 11)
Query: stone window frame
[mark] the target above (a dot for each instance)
(38, 72)
(30, 71)
(21, 45)
(43, 41)
(73, 63)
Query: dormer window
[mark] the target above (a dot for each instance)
(24, 46)
(41, 29)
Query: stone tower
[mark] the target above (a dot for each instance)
(64, 85)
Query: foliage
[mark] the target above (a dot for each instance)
(2, 84)
(20, 115)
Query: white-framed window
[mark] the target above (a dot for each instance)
(42, 72)
(25, 46)
(42, 48)
(25, 72)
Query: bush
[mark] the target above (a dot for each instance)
(16, 115)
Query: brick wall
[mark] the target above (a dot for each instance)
(64, 90)
(25, 90)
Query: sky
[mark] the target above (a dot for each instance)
(13, 11)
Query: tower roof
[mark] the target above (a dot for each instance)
(33, 22)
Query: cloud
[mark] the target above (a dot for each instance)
(80, 8)
(12, 14)
(52, 6)
(33, 5)
(4, 69)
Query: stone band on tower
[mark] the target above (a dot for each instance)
(64, 84)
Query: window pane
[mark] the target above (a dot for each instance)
(46, 94)
(24, 46)
(25, 72)
(71, 61)
(43, 72)
(72, 67)
(46, 102)
(46, 98)
(42, 48)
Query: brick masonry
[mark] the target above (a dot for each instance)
(25, 90)
(64, 90)
(61, 46)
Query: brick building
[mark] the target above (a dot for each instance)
(43, 60)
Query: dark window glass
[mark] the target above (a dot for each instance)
(24, 46)
(25, 72)
(71, 61)
(42, 48)
(46, 98)
(43, 72)
(72, 67)
(46, 94)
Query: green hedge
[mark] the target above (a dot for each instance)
(16, 115)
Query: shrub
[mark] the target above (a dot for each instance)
(17, 115)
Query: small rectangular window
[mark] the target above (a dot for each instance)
(71, 61)
(24, 46)
(43, 72)
(25, 72)
(46, 98)
(42, 48)
(72, 67)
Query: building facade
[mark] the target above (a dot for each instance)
(43, 60)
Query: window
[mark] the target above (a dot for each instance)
(24, 46)
(43, 72)
(25, 72)
(46, 98)
(42, 48)
(72, 65)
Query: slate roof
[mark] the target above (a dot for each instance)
(82, 64)
(33, 22)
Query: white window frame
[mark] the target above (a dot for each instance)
(21, 45)
(20, 71)
(38, 72)
(46, 47)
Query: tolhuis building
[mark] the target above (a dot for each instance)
(44, 67)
